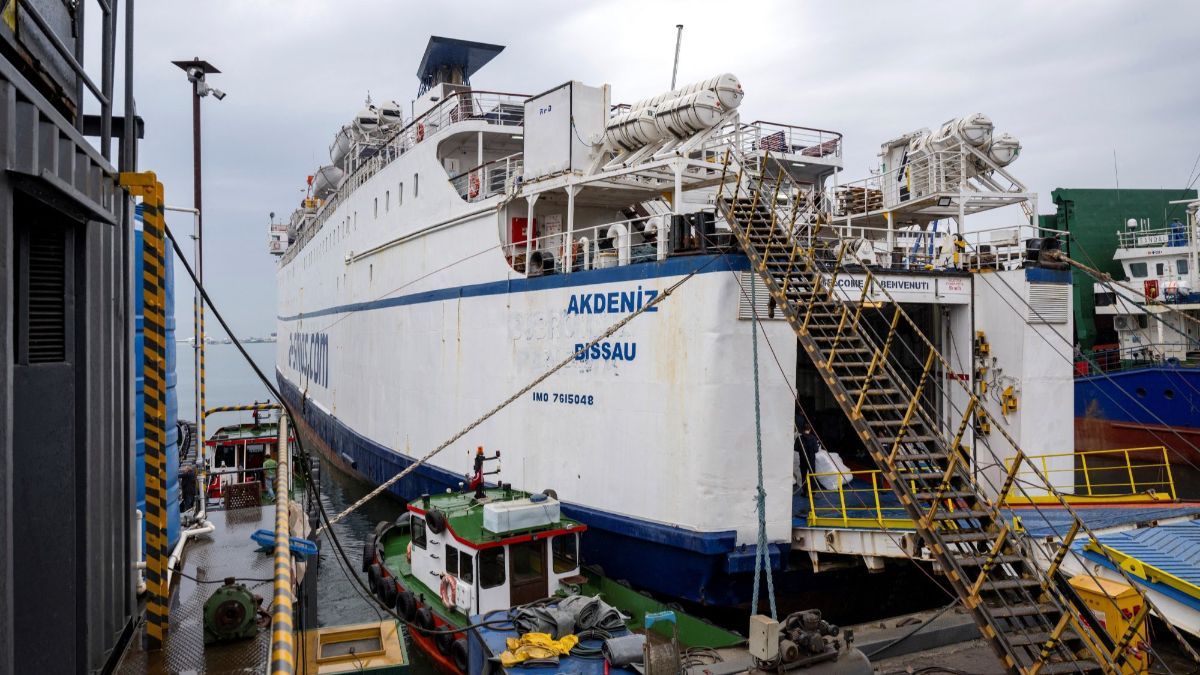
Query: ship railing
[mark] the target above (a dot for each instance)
(489, 107)
(859, 499)
(760, 136)
(914, 247)
(1108, 359)
(488, 179)
(614, 244)
(1097, 476)
(1173, 235)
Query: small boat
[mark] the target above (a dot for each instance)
(468, 559)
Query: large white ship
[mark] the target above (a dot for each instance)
(411, 300)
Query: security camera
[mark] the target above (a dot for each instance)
(220, 95)
(195, 74)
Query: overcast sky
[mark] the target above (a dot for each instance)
(1074, 81)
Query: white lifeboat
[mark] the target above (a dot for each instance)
(326, 181)
(340, 148)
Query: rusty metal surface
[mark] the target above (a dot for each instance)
(228, 551)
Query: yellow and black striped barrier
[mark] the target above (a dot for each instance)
(283, 637)
(154, 400)
(237, 408)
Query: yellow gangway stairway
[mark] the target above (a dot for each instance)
(1030, 616)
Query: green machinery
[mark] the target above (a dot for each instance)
(231, 613)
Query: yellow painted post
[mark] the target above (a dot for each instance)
(842, 500)
(1170, 478)
(283, 639)
(154, 399)
(1129, 468)
(875, 491)
(1087, 476)
(812, 504)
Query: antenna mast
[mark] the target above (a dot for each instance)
(678, 39)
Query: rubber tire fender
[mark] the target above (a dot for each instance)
(458, 652)
(436, 521)
(374, 576)
(368, 554)
(387, 591)
(424, 619)
(406, 605)
(444, 641)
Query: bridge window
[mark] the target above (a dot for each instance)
(418, 532)
(465, 567)
(1160, 269)
(566, 552)
(1181, 266)
(1137, 270)
(451, 561)
(491, 567)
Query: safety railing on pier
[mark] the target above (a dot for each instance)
(1118, 475)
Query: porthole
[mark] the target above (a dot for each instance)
(1168, 394)
(1141, 392)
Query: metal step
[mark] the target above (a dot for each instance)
(1026, 609)
(965, 537)
(1058, 668)
(1038, 637)
(979, 560)
(948, 494)
(972, 514)
(1010, 584)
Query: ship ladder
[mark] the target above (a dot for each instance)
(1032, 618)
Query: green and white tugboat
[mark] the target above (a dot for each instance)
(494, 575)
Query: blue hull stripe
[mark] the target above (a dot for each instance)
(370, 454)
(671, 267)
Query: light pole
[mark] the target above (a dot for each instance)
(196, 70)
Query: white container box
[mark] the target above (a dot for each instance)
(519, 514)
(561, 127)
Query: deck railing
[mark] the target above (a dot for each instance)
(1100, 476)
(488, 179)
(866, 502)
(1173, 235)
(1115, 359)
(1118, 475)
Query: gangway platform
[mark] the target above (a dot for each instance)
(1155, 540)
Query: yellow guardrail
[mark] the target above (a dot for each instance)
(1125, 475)
(1118, 475)
(867, 502)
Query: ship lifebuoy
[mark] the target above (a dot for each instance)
(447, 590)
(420, 131)
(473, 187)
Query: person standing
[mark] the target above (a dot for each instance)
(806, 447)
(270, 466)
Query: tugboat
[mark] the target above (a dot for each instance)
(459, 560)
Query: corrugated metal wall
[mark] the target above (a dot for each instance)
(66, 468)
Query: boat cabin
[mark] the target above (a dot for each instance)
(482, 554)
(236, 454)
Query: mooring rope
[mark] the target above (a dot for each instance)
(762, 555)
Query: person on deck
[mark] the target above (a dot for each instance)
(269, 467)
(806, 447)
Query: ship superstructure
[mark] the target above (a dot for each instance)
(443, 262)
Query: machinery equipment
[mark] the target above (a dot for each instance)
(231, 613)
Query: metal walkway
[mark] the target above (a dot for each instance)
(227, 552)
